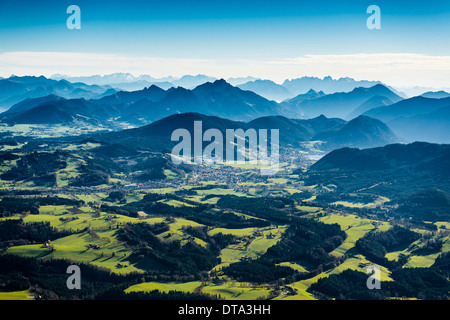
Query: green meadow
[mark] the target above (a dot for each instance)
(75, 248)
(355, 228)
(189, 287)
(252, 243)
(237, 291)
(229, 290)
(378, 202)
(17, 295)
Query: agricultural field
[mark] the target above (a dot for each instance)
(355, 228)
(252, 243)
(230, 290)
(17, 295)
(195, 234)
(379, 201)
(76, 248)
(101, 246)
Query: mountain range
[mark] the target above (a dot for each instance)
(360, 132)
(267, 89)
(417, 118)
(436, 94)
(114, 78)
(417, 156)
(221, 99)
(414, 177)
(327, 84)
(340, 104)
(263, 87)
(414, 119)
(16, 89)
(139, 107)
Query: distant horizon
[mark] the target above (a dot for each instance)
(396, 70)
(167, 77)
(409, 91)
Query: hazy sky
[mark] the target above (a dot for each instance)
(229, 38)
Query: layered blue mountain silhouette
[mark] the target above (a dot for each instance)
(417, 156)
(16, 89)
(340, 104)
(265, 88)
(417, 118)
(52, 102)
(436, 94)
(361, 132)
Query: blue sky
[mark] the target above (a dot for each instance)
(229, 38)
